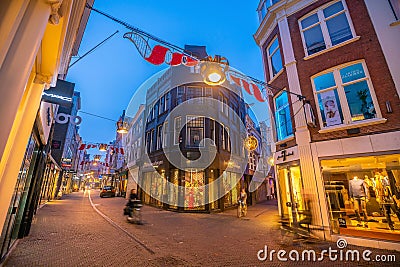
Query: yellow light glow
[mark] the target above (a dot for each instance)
(214, 77)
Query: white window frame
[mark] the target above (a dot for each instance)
(269, 57)
(176, 130)
(165, 135)
(159, 136)
(188, 128)
(339, 86)
(324, 28)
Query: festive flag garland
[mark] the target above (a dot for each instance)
(160, 54)
(113, 149)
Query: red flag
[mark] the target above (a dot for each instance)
(236, 80)
(117, 150)
(257, 93)
(246, 87)
(122, 151)
(157, 55)
(176, 59)
(188, 61)
(82, 147)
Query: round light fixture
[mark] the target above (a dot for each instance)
(213, 70)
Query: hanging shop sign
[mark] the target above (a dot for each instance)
(251, 143)
(61, 94)
(63, 118)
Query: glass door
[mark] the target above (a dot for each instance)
(291, 193)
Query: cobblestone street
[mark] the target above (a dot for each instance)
(69, 232)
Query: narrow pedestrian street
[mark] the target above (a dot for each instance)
(69, 232)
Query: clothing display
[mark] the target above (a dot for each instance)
(357, 188)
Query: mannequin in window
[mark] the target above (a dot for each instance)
(358, 192)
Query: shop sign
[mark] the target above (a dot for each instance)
(46, 115)
(63, 118)
(285, 154)
(342, 223)
(66, 162)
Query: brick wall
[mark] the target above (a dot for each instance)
(367, 48)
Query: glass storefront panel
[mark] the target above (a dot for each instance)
(293, 203)
(173, 191)
(194, 193)
(363, 195)
(17, 204)
(213, 190)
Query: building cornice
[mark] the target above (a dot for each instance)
(275, 13)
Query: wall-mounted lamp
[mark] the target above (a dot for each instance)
(388, 107)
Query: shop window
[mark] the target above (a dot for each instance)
(328, 26)
(173, 191)
(344, 95)
(194, 190)
(293, 199)
(195, 130)
(363, 194)
(282, 116)
(274, 58)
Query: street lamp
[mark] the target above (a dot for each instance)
(213, 70)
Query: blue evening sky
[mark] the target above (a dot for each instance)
(108, 77)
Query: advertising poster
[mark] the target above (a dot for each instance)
(331, 110)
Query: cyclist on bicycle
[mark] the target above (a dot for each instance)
(133, 201)
(242, 197)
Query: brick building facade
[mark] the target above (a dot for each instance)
(339, 57)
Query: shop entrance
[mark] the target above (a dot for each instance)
(291, 192)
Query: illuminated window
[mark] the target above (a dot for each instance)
(344, 95)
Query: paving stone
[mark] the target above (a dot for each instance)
(69, 232)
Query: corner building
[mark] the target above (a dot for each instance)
(169, 132)
(337, 152)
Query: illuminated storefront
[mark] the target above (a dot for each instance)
(363, 195)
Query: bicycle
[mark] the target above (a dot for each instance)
(242, 209)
